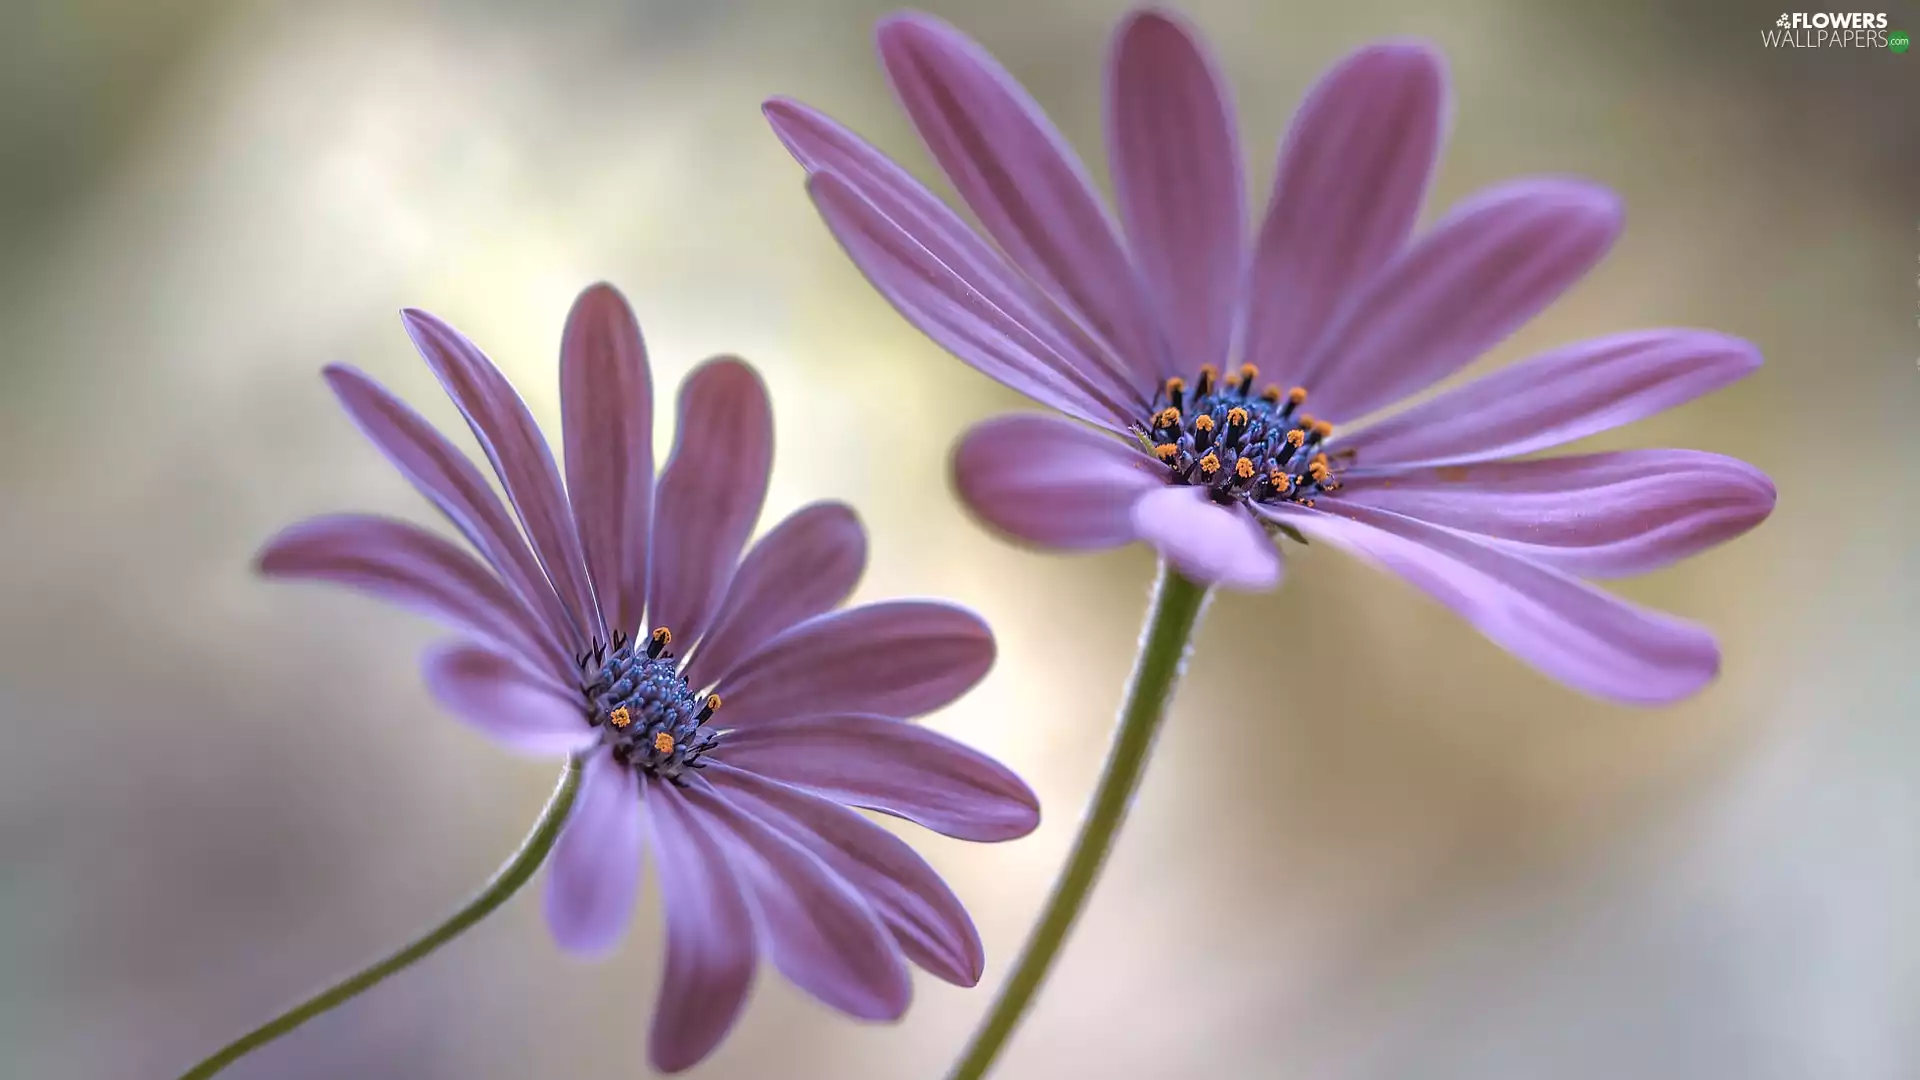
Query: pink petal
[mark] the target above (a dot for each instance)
(1053, 483)
(593, 876)
(817, 930)
(1212, 544)
(415, 569)
(1557, 397)
(1352, 173)
(711, 945)
(1177, 174)
(448, 480)
(513, 443)
(1017, 175)
(1599, 515)
(1570, 631)
(1493, 263)
(900, 658)
(1073, 353)
(606, 407)
(808, 565)
(926, 920)
(710, 494)
(978, 315)
(895, 768)
(498, 697)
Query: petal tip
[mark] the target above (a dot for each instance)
(1701, 673)
(780, 109)
(1156, 20)
(1745, 353)
(668, 1058)
(423, 328)
(345, 379)
(782, 114)
(1415, 56)
(909, 27)
(602, 292)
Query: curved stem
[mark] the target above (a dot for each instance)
(506, 881)
(1171, 620)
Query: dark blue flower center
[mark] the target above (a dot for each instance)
(648, 716)
(1238, 444)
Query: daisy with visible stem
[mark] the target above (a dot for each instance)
(715, 710)
(1207, 371)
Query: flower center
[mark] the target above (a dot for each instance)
(647, 714)
(1239, 445)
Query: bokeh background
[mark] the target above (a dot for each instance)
(1422, 863)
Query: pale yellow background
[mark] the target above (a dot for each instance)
(1372, 847)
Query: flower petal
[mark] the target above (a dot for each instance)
(1017, 175)
(1557, 397)
(900, 658)
(1494, 262)
(1177, 175)
(1570, 631)
(895, 768)
(817, 929)
(976, 314)
(927, 921)
(1353, 171)
(408, 566)
(501, 699)
(1598, 515)
(1073, 356)
(711, 944)
(593, 877)
(1212, 544)
(519, 453)
(710, 494)
(449, 481)
(1051, 482)
(808, 565)
(606, 410)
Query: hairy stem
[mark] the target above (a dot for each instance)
(506, 881)
(1164, 643)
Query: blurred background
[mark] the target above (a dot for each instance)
(1426, 863)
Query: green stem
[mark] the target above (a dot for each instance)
(1171, 620)
(506, 881)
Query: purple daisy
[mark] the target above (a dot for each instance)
(1158, 333)
(732, 737)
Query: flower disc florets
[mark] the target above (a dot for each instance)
(648, 716)
(1221, 435)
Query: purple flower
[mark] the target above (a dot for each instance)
(1159, 333)
(743, 804)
